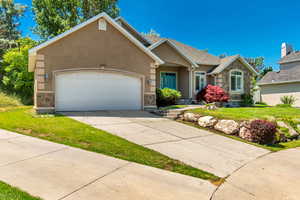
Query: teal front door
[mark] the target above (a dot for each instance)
(168, 80)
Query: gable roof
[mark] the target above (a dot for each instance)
(283, 76)
(33, 51)
(141, 36)
(158, 43)
(225, 62)
(197, 56)
(292, 57)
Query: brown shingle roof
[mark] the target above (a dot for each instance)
(196, 55)
(295, 56)
(281, 76)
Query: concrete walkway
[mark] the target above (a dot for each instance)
(202, 149)
(275, 176)
(55, 172)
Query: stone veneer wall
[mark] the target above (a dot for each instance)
(150, 97)
(222, 79)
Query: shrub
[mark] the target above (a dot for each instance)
(247, 100)
(291, 100)
(284, 105)
(167, 97)
(16, 78)
(262, 131)
(211, 94)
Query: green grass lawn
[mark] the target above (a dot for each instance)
(6, 100)
(8, 192)
(246, 113)
(67, 131)
(173, 107)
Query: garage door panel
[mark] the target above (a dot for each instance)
(85, 91)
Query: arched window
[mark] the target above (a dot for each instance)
(236, 81)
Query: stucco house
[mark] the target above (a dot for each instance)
(285, 82)
(105, 64)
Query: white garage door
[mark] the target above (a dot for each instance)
(88, 91)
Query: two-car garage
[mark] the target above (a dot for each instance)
(92, 90)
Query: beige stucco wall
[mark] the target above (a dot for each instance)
(92, 48)
(170, 55)
(182, 78)
(271, 94)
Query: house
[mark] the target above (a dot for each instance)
(285, 82)
(105, 64)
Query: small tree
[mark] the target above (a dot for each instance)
(212, 94)
(16, 78)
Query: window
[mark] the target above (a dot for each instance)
(236, 81)
(200, 81)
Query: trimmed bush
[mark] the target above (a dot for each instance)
(262, 131)
(212, 94)
(167, 97)
(289, 100)
(247, 100)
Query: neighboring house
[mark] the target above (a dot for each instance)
(285, 82)
(105, 64)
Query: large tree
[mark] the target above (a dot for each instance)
(10, 12)
(56, 16)
(258, 64)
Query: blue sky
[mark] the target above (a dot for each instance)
(250, 28)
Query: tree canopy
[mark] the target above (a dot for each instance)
(56, 16)
(10, 13)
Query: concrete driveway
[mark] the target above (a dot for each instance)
(202, 149)
(58, 172)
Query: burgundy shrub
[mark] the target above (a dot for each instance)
(262, 131)
(212, 93)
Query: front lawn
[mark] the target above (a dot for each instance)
(67, 131)
(247, 113)
(173, 107)
(8, 192)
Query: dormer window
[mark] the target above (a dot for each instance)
(236, 81)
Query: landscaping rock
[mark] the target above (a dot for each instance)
(211, 107)
(245, 134)
(245, 124)
(190, 117)
(227, 126)
(292, 131)
(207, 121)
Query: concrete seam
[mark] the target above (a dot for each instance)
(37, 156)
(93, 181)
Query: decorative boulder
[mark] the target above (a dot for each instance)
(190, 117)
(245, 134)
(292, 131)
(227, 126)
(207, 121)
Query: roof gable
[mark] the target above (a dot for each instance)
(227, 61)
(171, 44)
(33, 51)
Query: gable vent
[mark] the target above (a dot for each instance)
(102, 24)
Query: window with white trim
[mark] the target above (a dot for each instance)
(236, 81)
(200, 81)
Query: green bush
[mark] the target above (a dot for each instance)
(16, 78)
(247, 100)
(291, 100)
(284, 105)
(167, 97)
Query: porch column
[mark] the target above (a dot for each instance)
(190, 83)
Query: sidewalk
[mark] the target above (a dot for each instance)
(55, 172)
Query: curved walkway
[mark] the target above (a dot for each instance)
(275, 176)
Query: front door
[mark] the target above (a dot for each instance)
(168, 80)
